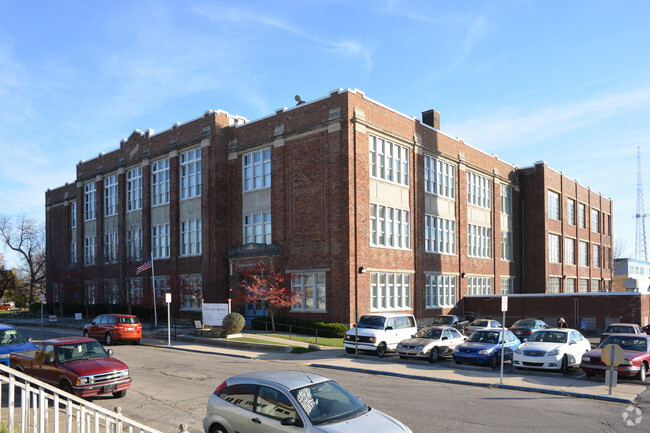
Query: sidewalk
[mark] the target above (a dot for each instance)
(574, 385)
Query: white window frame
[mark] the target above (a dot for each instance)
(595, 285)
(389, 227)
(135, 291)
(595, 248)
(583, 253)
(313, 289)
(134, 189)
(479, 241)
(439, 177)
(160, 182)
(134, 243)
(582, 215)
(507, 285)
(390, 291)
(583, 286)
(90, 292)
(111, 292)
(554, 284)
(554, 248)
(110, 247)
(506, 200)
(595, 221)
(257, 228)
(192, 299)
(160, 241)
(440, 290)
(570, 285)
(571, 211)
(479, 286)
(90, 201)
(73, 251)
(190, 173)
(507, 248)
(73, 215)
(439, 235)
(553, 205)
(569, 251)
(479, 190)
(388, 161)
(110, 195)
(256, 169)
(191, 238)
(90, 250)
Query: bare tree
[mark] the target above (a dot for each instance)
(7, 279)
(27, 238)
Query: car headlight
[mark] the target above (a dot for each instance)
(420, 347)
(586, 358)
(4, 355)
(399, 345)
(518, 351)
(82, 381)
(484, 352)
(553, 352)
(626, 362)
(456, 349)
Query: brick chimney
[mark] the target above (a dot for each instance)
(431, 118)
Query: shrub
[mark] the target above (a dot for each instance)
(233, 323)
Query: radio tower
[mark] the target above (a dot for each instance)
(639, 246)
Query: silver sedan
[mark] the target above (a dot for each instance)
(431, 343)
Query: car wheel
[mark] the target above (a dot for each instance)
(86, 334)
(119, 394)
(66, 386)
(494, 361)
(349, 350)
(458, 362)
(642, 372)
(434, 355)
(108, 338)
(136, 341)
(564, 368)
(217, 428)
(381, 349)
(589, 374)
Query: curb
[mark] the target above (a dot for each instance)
(484, 385)
(185, 349)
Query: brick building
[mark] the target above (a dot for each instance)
(366, 208)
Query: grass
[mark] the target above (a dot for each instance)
(331, 342)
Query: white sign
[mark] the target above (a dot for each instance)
(77, 316)
(504, 303)
(213, 314)
(168, 298)
(52, 318)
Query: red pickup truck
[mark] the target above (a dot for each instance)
(77, 365)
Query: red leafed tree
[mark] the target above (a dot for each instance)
(265, 284)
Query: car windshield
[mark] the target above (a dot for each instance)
(626, 343)
(524, 324)
(328, 402)
(70, 352)
(372, 322)
(126, 319)
(12, 336)
(617, 329)
(442, 320)
(484, 337)
(549, 337)
(480, 323)
(433, 334)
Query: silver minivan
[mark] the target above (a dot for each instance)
(380, 332)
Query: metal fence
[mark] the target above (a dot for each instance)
(29, 405)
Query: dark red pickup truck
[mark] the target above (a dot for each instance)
(77, 365)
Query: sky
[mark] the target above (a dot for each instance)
(527, 80)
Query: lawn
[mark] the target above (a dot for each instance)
(331, 342)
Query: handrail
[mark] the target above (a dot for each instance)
(45, 408)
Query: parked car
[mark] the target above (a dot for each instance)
(554, 349)
(450, 320)
(431, 343)
(12, 340)
(484, 347)
(637, 356)
(646, 329)
(380, 332)
(525, 327)
(77, 365)
(621, 328)
(294, 401)
(480, 324)
(114, 327)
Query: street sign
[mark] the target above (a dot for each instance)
(504, 303)
(612, 355)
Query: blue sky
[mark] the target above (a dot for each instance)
(564, 82)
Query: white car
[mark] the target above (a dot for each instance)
(555, 349)
(431, 343)
(379, 332)
(480, 324)
(292, 401)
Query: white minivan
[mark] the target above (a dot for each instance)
(380, 332)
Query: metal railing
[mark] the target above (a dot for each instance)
(292, 330)
(29, 405)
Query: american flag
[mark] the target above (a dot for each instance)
(146, 265)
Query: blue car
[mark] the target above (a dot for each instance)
(12, 340)
(484, 347)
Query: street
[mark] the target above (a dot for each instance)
(171, 387)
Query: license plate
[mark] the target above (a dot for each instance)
(109, 388)
(129, 329)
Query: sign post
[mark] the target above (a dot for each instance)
(42, 299)
(504, 308)
(612, 355)
(168, 300)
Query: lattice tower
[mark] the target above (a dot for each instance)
(640, 245)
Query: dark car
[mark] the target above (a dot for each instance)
(637, 356)
(114, 327)
(525, 327)
(621, 328)
(646, 329)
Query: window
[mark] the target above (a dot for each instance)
(135, 291)
(90, 292)
(569, 251)
(110, 247)
(89, 250)
(584, 285)
(389, 291)
(160, 241)
(596, 255)
(192, 292)
(257, 169)
(479, 191)
(571, 211)
(583, 254)
(507, 249)
(595, 285)
(110, 195)
(554, 205)
(439, 177)
(389, 227)
(274, 404)
(242, 395)
(73, 251)
(507, 252)
(479, 285)
(111, 292)
(582, 223)
(553, 284)
(595, 219)
(553, 248)
(73, 214)
(506, 199)
(134, 244)
(90, 202)
(311, 285)
(389, 161)
(440, 291)
(191, 238)
(134, 189)
(162, 286)
(257, 228)
(190, 173)
(507, 285)
(440, 235)
(160, 182)
(570, 285)
(479, 241)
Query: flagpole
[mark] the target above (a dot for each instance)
(153, 284)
